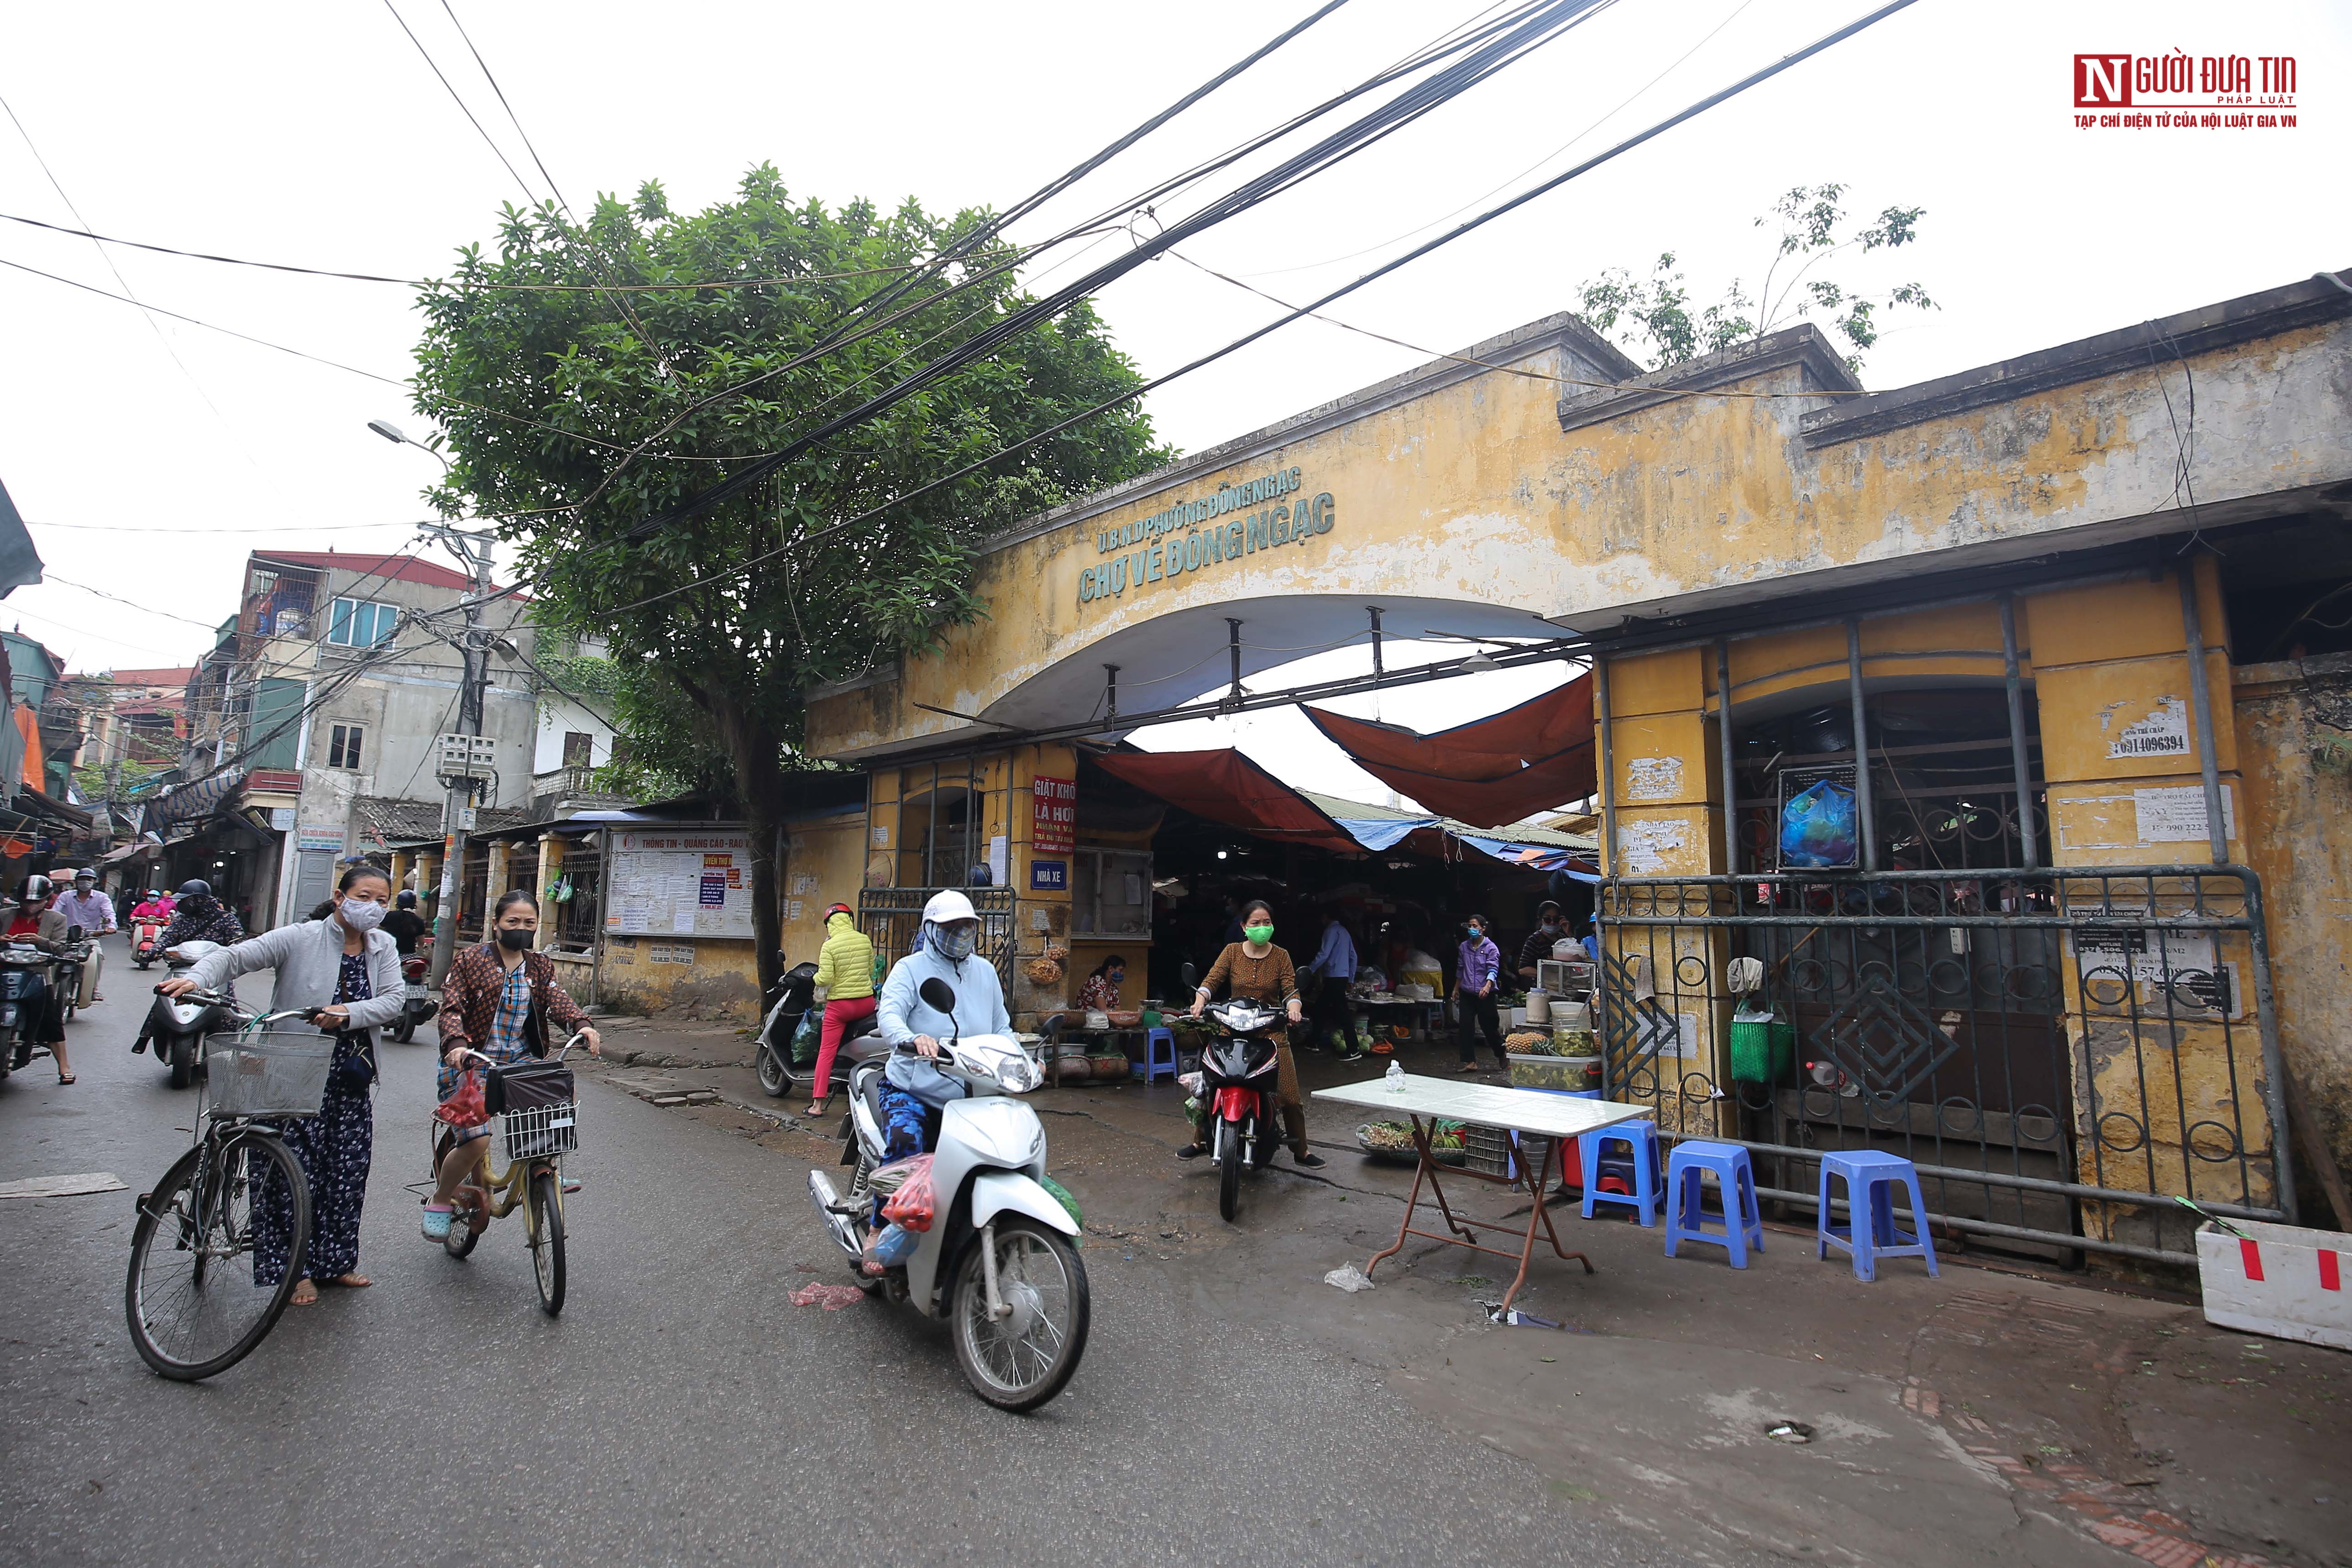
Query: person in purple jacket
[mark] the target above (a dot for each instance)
(1477, 969)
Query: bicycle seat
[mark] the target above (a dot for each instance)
(864, 1049)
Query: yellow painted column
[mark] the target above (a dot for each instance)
(551, 870)
(1041, 898)
(400, 865)
(1665, 779)
(428, 883)
(2165, 1088)
(493, 884)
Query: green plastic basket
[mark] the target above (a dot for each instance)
(1763, 1048)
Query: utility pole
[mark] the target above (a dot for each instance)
(458, 772)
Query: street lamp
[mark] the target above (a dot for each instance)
(398, 437)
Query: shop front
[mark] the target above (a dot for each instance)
(1954, 742)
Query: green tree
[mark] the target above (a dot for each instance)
(544, 390)
(1651, 318)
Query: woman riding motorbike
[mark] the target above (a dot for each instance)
(38, 921)
(1256, 969)
(912, 1089)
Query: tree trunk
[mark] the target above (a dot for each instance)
(758, 753)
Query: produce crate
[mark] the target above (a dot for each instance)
(1557, 1073)
(1497, 1153)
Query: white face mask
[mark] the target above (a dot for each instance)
(359, 914)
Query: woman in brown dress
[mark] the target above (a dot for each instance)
(1257, 969)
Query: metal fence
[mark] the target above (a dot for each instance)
(2058, 1051)
(892, 918)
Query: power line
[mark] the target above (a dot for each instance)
(429, 283)
(1408, 106)
(1701, 106)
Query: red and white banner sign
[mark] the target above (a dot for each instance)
(1054, 822)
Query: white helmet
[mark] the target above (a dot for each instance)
(948, 906)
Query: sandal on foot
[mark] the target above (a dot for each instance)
(1190, 1152)
(65, 1077)
(437, 1221)
(818, 1108)
(300, 1300)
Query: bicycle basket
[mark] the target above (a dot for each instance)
(269, 1072)
(538, 1115)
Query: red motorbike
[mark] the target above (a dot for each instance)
(1240, 1076)
(418, 1005)
(146, 942)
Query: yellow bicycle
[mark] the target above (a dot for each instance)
(534, 1117)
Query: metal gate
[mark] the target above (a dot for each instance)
(892, 918)
(2059, 1052)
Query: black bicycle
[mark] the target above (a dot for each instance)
(201, 1293)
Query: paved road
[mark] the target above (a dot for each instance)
(681, 1409)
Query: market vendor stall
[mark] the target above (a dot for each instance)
(1537, 1123)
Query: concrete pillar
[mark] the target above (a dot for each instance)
(400, 861)
(493, 884)
(428, 883)
(550, 871)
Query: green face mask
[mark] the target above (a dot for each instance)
(1258, 933)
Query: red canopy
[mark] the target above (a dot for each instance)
(1225, 786)
(1494, 771)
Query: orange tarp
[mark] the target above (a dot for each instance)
(1225, 786)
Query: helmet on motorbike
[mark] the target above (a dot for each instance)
(407, 900)
(34, 888)
(195, 887)
(86, 875)
(948, 906)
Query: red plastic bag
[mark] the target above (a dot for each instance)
(911, 1205)
(465, 1107)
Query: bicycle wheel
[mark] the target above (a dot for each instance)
(547, 1239)
(195, 1298)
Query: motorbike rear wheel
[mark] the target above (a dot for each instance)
(1229, 1172)
(1023, 1361)
(183, 1060)
(404, 1031)
(775, 1074)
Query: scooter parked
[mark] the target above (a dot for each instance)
(1000, 1261)
(795, 993)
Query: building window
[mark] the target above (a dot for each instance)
(361, 623)
(344, 746)
(579, 749)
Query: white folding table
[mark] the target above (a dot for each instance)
(1424, 1101)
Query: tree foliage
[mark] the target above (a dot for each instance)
(546, 377)
(1651, 318)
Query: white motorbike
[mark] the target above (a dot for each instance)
(1000, 1261)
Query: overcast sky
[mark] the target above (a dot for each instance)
(149, 455)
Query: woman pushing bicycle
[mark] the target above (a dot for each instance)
(498, 1001)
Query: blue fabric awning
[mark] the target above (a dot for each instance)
(1383, 832)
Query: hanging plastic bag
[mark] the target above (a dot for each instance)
(808, 1038)
(910, 1206)
(466, 1105)
(1818, 826)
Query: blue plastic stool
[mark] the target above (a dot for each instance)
(1159, 1056)
(1870, 1178)
(1642, 1139)
(1687, 1168)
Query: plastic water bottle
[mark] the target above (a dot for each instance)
(1395, 1076)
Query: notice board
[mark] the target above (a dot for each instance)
(681, 882)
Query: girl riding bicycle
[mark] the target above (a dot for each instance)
(498, 1001)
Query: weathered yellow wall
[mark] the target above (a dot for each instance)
(824, 863)
(2300, 843)
(1474, 492)
(2107, 657)
(721, 979)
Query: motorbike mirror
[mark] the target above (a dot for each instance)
(1191, 976)
(936, 994)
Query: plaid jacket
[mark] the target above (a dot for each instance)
(469, 999)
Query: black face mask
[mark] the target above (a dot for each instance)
(516, 941)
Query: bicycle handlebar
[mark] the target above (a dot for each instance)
(492, 1061)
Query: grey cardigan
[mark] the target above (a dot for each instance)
(309, 959)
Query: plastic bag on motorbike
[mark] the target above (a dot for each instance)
(911, 1205)
(808, 1037)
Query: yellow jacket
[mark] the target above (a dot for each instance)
(844, 965)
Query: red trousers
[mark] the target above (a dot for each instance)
(838, 1018)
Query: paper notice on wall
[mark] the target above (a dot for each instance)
(681, 919)
(2176, 814)
(996, 863)
(2161, 732)
(793, 908)
(1654, 778)
(1648, 848)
